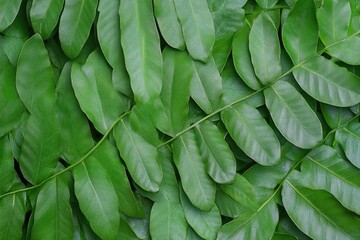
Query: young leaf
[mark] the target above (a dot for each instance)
(325, 170)
(11, 107)
(334, 18)
(140, 157)
(141, 45)
(12, 216)
(264, 48)
(75, 25)
(197, 26)
(292, 115)
(220, 161)
(206, 87)
(320, 208)
(44, 16)
(242, 58)
(96, 95)
(300, 31)
(169, 25)
(328, 83)
(252, 133)
(205, 223)
(167, 221)
(53, 215)
(108, 33)
(196, 183)
(6, 164)
(349, 139)
(97, 198)
(8, 12)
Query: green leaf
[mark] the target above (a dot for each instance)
(221, 51)
(264, 48)
(109, 159)
(11, 107)
(6, 164)
(168, 22)
(140, 157)
(167, 221)
(141, 46)
(44, 16)
(96, 95)
(325, 170)
(205, 223)
(8, 12)
(197, 27)
(267, 3)
(75, 25)
(97, 198)
(283, 236)
(220, 161)
(76, 139)
(335, 116)
(320, 209)
(251, 133)
(172, 115)
(12, 216)
(334, 18)
(328, 83)
(242, 58)
(300, 31)
(196, 183)
(108, 33)
(206, 87)
(53, 215)
(349, 139)
(292, 115)
(266, 218)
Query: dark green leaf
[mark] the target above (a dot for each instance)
(6, 164)
(8, 12)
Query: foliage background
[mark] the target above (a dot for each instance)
(171, 119)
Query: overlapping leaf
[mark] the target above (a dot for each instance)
(349, 139)
(8, 12)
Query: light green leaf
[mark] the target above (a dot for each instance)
(320, 209)
(242, 59)
(206, 86)
(44, 16)
(220, 161)
(11, 107)
(108, 33)
(221, 51)
(334, 18)
(325, 170)
(335, 116)
(349, 139)
(264, 48)
(53, 215)
(7, 172)
(251, 133)
(168, 22)
(328, 83)
(75, 25)
(265, 218)
(108, 157)
(140, 157)
(8, 12)
(167, 221)
(76, 139)
(228, 206)
(141, 45)
(172, 115)
(12, 216)
(196, 183)
(197, 26)
(267, 3)
(96, 95)
(205, 223)
(292, 115)
(97, 198)
(300, 31)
